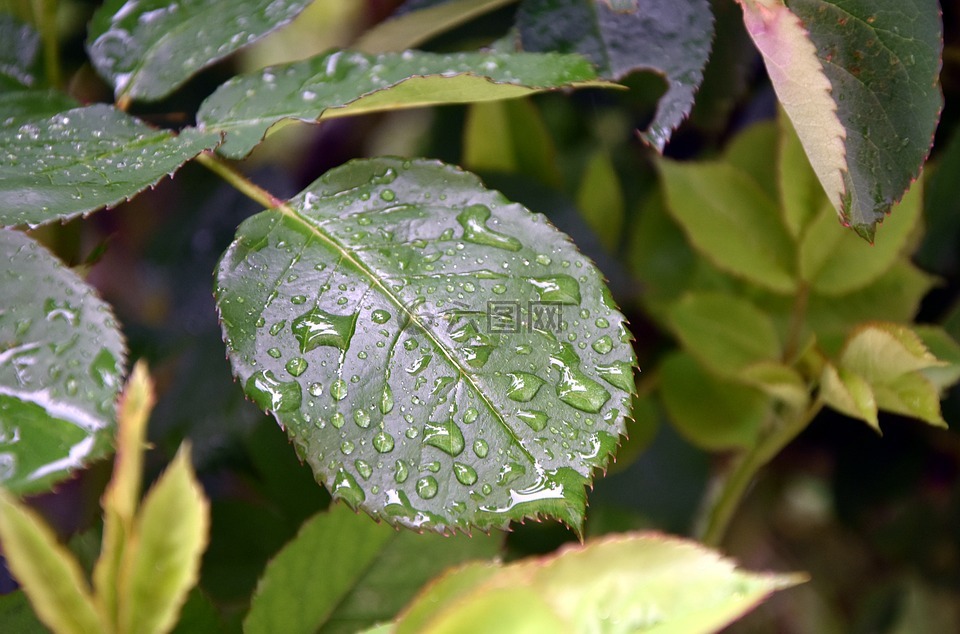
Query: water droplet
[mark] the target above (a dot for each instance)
(534, 419)
(465, 474)
(523, 386)
(338, 390)
(574, 387)
(297, 366)
(380, 316)
(272, 394)
(427, 487)
(487, 489)
(315, 389)
(388, 195)
(557, 288)
(364, 469)
(346, 488)
(618, 374)
(601, 322)
(499, 289)
(337, 420)
(317, 327)
(277, 327)
(104, 370)
(603, 345)
(523, 349)
(383, 442)
(419, 365)
(445, 436)
(476, 356)
(410, 344)
(473, 219)
(347, 447)
(298, 299)
(361, 418)
(480, 448)
(274, 352)
(544, 259)
(510, 472)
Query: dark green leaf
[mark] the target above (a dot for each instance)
(371, 574)
(16, 615)
(344, 83)
(61, 360)
(882, 58)
(440, 357)
(19, 45)
(76, 161)
(148, 48)
(20, 106)
(711, 412)
(670, 37)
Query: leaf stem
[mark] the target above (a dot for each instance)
(238, 180)
(45, 18)
(734, 487)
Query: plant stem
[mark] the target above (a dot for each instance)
(746, 467)
(239, 181)
(45, 18)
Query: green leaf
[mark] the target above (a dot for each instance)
(408, 29)
(17, 615)
(946, 349)
(849, 393)
(630, 583)
(669, 37)
(61, 359)
(21, 106)
(725, 333)
(79, 160)
(600, 198)
(509, 136)
(49, 574)
(870, 68)
(711, 412)
(370, 575)
(777, 380)
(162, 558)
(19, 45)
(802, 198)
(345, 83)
(836, 262)
(406, 327)
(730, 220)
(147, 49)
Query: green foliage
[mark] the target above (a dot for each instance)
(437, 353)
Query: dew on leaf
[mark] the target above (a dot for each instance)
(337, 420)
(400, 472)
(445, 436)
(297, 366)
(427, 487)
(317, 327)
(338, 390)
(380, 316)
(386, 400)
(574, 387)
(361, 418)
(473, 219)
(383, 442)
(270, 393)
(363, 468)
(618, 374)
(603, 345)
(523, 386)
(470, 415)
(480, 448)
(274, 352)
(535, 419)
(465, 474)
(347, 447)
(277, 327)
(346, 488)
(557, 288)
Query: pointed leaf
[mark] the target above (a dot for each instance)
(19, 45)
(409, 28)
(60, 166)
(370, 575)
(873, 69)
(881, 353)
(162, 560)
(148, 48)
(713, 413)
(344, 83)
(724, 332)
(729, 219)
(414, 332)
(802, 198)
(669, 37)
(122, 496)
(911, 395)
(61, 359)
(48, 572)
(945, 348)
(849, 393)
(630, 583)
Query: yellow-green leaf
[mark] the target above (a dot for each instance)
(600, 198)
(849, 393)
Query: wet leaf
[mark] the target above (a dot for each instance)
(19, 45)
(630, 583)
(345, 83)
(414, 24)
(860, 83)
(61, 362)
(58, 166)
(149, 48)
(440, 357)
(47, 571)
(669, 37)
(369, 577)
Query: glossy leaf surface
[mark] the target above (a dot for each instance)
(148, 48)
(344, 83)
(61, 362)
(670, 37)
(630, 583)
(440, 357)
(57, 166)
(374, 571)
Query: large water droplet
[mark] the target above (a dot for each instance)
(445, 436)
(380, 316)
(420, 364)
(297, 366)
(480, 448)
(574, 387)
(557, 288)
(473, 219)
(523, 386)
(401, 472)
(364, 469)
(470, 415)
(361, 418)
(386, 400)
(270, 393)
(510, 472)
(383, 442)
(534, 419)
(317, 327)
(346, 488)
(465, 474)
(427, 487)
(338, 390)
(603, 345)
(619, 374)
(104, 371)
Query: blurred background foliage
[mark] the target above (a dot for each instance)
(874, 520)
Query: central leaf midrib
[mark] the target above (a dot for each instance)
(362, 266)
